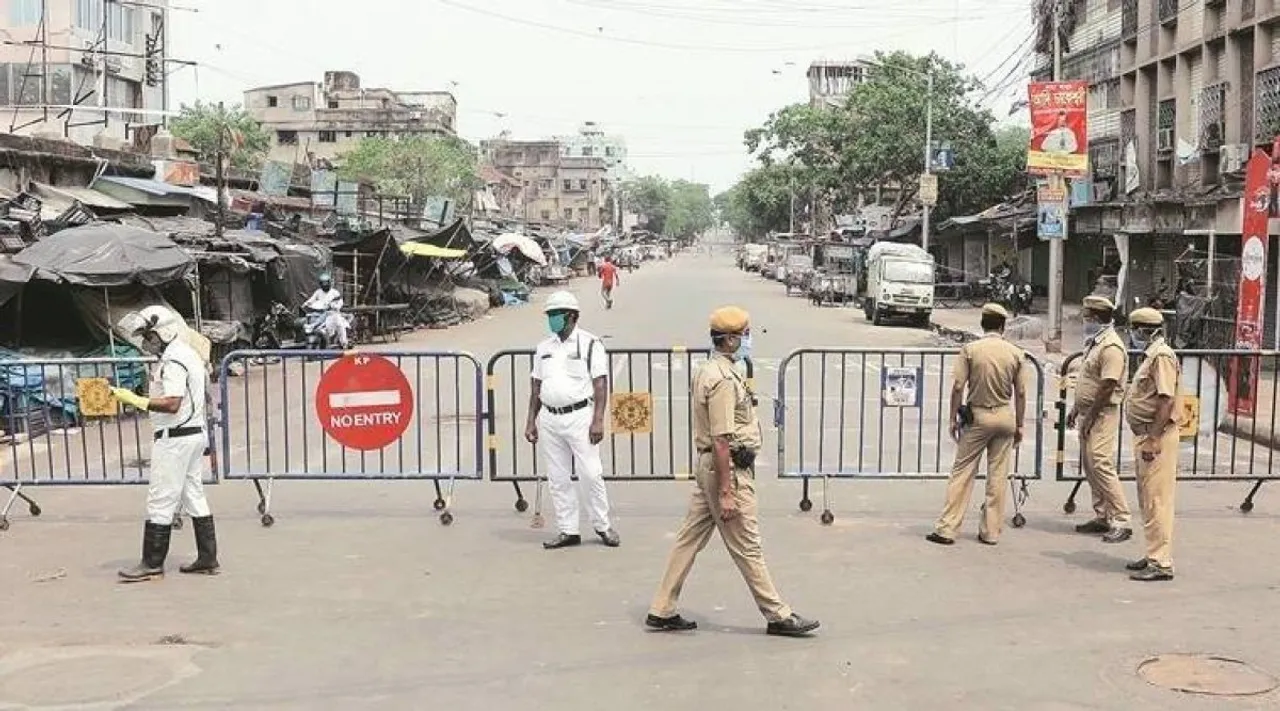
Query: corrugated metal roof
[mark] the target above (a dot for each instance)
(150, 187)
(88, 196)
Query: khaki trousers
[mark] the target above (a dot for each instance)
(1157, 483)
(991, 432)
(1098, 459)
(741, 537)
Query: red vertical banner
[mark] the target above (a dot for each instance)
(1242, 373)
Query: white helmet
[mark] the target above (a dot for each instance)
(561, 301)
(164, 322)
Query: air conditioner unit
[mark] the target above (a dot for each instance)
(1164, 140)
(1233, 157)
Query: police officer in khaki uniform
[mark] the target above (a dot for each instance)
(1099, 391)
(990, 420)
(726, 434)
(1151, 412)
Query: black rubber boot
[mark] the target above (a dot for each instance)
(155, 548)
(206, 562)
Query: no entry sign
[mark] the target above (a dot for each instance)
(364, 402)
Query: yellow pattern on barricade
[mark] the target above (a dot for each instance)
(631, 413)
(95, 398)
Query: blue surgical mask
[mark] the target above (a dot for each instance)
(1138, 341)
(744, 348)
(557, 322)
(1091, 330)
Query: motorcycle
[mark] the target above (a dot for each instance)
(320, 333)
(1018, 296)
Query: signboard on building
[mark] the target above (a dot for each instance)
(1059, 128)
(929, 189)
(275, 178)
(1242, 373)
(1051, 208)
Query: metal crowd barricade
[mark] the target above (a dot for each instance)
(883, 414)
(49, 441)
(1227, 446)
(655, 380)
(271, 429)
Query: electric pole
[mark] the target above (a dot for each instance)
(1053, 343)
(219, 177)
(928, 158)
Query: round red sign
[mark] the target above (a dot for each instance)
(364, 402)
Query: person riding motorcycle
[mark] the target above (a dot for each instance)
(324, 312)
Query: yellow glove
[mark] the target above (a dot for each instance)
(129, 398)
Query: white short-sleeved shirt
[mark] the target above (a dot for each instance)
(567, 368)
(180, 373)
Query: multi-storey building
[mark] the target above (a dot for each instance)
(309, 123)
(552, 187)
(592, 142)
(96, 54)
(830, 81)
(1182, 91)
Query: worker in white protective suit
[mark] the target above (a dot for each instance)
(324, 310)
(177, 405)
(567, 402)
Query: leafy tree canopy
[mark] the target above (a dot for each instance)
(244, 140)
(877, 138)
(415, 166)
(676, 208)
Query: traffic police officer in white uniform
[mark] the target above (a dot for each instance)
(176, 403)
(566, 417)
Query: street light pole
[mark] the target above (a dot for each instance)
(1053, 343)
(928, 156)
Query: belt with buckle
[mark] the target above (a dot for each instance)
(567, 408)
(173, 432)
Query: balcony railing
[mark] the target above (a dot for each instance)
(1213, 100)
(1167, 11)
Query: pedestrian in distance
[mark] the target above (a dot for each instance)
(988, 402)
(608, 280)
(726, 434)
(1096, 414)
(568, 394)
(177, 406)
(1152, 412)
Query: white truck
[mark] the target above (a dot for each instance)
(899, 283)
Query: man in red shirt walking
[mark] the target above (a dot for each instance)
(608, 280)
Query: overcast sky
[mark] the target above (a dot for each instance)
(680, 79)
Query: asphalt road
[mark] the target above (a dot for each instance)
(357, 598)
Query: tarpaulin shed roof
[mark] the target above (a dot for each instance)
(106, 254)
(87, 196)
(423, 249)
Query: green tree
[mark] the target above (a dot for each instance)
(416, 166)
(760, 202)
(691, 210)
(877, 138)
(650, 197)
(244, 140)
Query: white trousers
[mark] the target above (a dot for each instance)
(335, 329)
(177, 479)
(562, 441)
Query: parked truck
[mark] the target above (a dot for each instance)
(899, 283)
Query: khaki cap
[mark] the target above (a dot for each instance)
(994, 309)
(1095, 302)
(1146, 316)
(729, 319)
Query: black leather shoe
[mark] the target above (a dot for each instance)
(793, 626)
(1152, 574)
(610, 538)
(563, 540)
(1118, 535)
(1094, 526)
(940, 539)
(1138, 565)
(674, 623)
